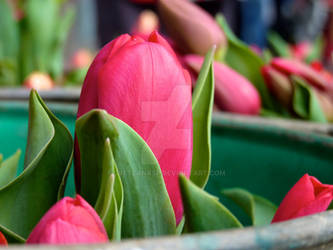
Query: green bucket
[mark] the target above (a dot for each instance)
(262, 158)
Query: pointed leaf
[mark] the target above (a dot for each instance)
(246, 62)
(180, 226)
(8, 168)
(202, 211)
(260, 210)
(305, 102)
(109, 203)
(202, 106)
(48, 158)
(144, 188)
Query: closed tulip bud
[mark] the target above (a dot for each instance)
(308, 196)
(192, 29)
(69, 221)
(295, 67)
(279, 84)
(143, 84)
(3, 240)
(233, 92)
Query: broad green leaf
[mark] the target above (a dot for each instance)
(109, 203)
(8, 168)
(11, 236)
(260, 210)
(147, 208)
(305, 102)
(279, 46)
(246, 62)
(202, 211)
(202, 107)
(48, 158)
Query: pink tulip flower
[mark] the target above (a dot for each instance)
(308, 196)
(143, 84)
(233, 92)
(69, 221)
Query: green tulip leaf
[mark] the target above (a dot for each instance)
(279, 46)
(260, 210)
(305, 102)
(147, 210)
(180, 226)
(202, 107)
(202, 211)
(240, 57)
(109, 203)
(8, 168)
(48, 158)
(11, 237)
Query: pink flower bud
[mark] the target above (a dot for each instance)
(233, 92)
(143, 84)
(69, 221)
(308, 196)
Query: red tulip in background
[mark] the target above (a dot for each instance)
(143, 84)
(69, 221)
(308, 196)
(233, 92)
(3, 240)
(296, 67)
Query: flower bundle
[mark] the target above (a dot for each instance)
(142, 158)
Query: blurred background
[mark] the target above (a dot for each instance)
(60, 37)
(50, 44)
